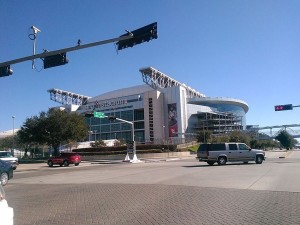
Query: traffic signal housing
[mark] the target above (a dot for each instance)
(146, 33)
(5, 71)
(89, 114)
(55, 60)
(283, 107)
(112, 118)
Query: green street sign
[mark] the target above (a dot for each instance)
(99, 114)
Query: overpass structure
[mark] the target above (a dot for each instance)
(280, 127)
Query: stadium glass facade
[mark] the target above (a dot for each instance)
(166, 114)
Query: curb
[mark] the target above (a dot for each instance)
(287, 153)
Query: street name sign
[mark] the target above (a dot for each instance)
(99, 114)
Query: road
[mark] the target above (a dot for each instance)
(174, 192)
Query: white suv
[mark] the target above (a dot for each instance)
(7, 156)
(228, 152)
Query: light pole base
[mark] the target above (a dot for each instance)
(135, 159)
(127, 158)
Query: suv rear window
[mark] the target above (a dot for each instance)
(217, 147)
(203, 147)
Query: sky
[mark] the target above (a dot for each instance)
(243, 49)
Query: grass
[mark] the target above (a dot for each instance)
(194, 148)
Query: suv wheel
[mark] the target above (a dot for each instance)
(50, 163)
(66, 163)
(222, 160)
(76, 164)
(259, 159)
(3, 178)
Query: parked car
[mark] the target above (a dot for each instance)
(7, 156)
(229, 152)
(65, 159)
(6, 172)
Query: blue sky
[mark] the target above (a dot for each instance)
(248, 50)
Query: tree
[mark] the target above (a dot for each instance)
(204, 136)
(249, 138)
(239, 136)
(8, 142)
(5, 143)
(28, 134)
(263, 144)
(285, 139)
(220, 138)
(53, 128)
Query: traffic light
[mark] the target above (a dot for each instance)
(55, 60)
(112, 118)
(89, 114)
(5, 71)
(146, 33)
(283, 107)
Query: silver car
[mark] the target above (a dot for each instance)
(8, 157)
(228, 152)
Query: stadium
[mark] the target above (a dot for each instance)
(160, 110)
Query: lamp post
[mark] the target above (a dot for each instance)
(13, 139)
(90, 135)
(95, 133)
(163, 131)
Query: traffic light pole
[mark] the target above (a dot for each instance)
(64, 50)
(102, 115)
(135, 159)
(59, 57)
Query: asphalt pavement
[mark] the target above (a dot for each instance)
(154, 192)
(37, 166)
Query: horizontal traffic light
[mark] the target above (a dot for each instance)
(283, 107)
(55, 60)
(146, 33)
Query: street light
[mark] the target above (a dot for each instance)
(13, 139)
(95, 133)
(90, 135)
(163, 130)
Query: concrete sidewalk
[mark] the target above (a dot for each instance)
(30, 167)
(281, 154)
